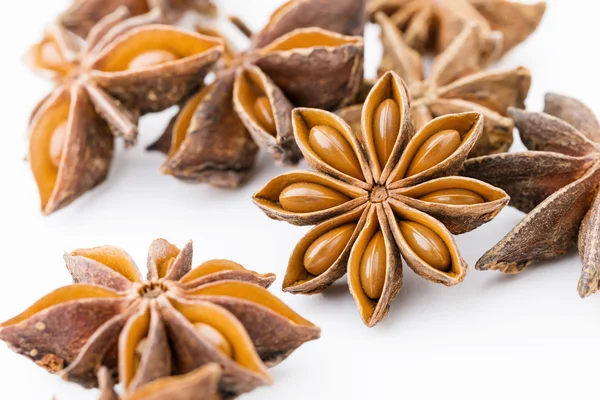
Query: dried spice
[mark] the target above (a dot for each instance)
(125, 68)
(82, 15)
(455, 84)
(293, 60)
(176, 320)
(380, 195)
(556, 183)
(432, 25)
(201, 384)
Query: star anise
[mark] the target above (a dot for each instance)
(380, 195)
(125, 68)
(432, 25)
(171, 323)
(556, 183)
(455, 84)
(82, 15)
(293, 60)
(200, 384)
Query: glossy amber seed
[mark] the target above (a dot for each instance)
(323, 252)
(215, 338)
(57, 141)
(307, 197)
(264, 114)
(334, 149)
(435, 150)
(372, 267)
(427, 245)
(453, 197)
(151, 58)
(386, 126)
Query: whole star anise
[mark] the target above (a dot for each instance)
(432, 25)
(171, 323)
(380, 195)
(82, 15)
(556, 183)
(455, 84)
(200, 384)
(125, 68)
(293, 60)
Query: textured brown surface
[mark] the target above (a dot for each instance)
(75, 330)
(556, 183)
(383, 197)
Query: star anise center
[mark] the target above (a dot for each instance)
(151, 290)
(378, 194)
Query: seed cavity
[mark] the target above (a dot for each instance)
(304, 197)
(453, 197)
(323, 252)
(373, 267)
(331, 146)
(215, 338)
(386, 126)
(57, 142)
(435, 150)
(151, 58)
(427, 245)
(264, 114)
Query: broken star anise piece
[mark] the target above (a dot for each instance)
(432, 25)
(380, 195)
(200, 384)
(456, 84)
(169, 324)
(556, 183)
(82, 15)
(125, 68)
(214, 137)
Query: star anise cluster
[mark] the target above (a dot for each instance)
(155, 332)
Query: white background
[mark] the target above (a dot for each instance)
(493, 336)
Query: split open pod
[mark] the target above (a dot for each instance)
(379, 196)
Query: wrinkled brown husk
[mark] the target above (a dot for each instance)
(346, 17)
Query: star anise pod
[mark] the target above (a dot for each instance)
(200, 384)
(125, 68)
(432, 25)
(172, 322)
(379, 196)
(82, 15)
(455, 84)
(556, 183)
(293, 60)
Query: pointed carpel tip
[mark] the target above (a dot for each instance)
(584, 290)
(515, 112)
